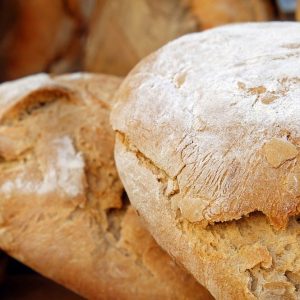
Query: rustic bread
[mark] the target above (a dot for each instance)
(61, 210)
(207, 147)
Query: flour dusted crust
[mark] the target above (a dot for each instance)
(208, 137)
(62, 208)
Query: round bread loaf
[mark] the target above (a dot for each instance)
(61, 206)
(207, 147)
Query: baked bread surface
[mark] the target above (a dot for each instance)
(63, 210)
(207, 147)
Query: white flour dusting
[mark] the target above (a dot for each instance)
(65, 173)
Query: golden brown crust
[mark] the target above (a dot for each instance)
(61, 208)
(208, 130)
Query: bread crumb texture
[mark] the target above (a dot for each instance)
(63, 210)
(209, 128)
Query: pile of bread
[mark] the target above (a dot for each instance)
(198, 147)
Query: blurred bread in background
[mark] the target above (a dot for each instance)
(219, 12)
(108, 36)
(42, 35)
(124, 31)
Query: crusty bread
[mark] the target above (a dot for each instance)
(298, 11)
(61, 210)
(208, 137)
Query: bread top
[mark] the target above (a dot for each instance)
(216, 114)
(63, 210)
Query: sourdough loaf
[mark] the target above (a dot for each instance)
(62, 207)
(207, 147)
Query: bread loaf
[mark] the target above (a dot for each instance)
(62, 209)
(207, 147)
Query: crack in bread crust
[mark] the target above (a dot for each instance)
(256, 256)
(169, 185)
